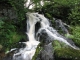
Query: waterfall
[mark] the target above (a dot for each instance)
(28, 52)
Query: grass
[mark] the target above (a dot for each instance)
(75, 35)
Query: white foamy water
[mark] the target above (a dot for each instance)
(28, 52)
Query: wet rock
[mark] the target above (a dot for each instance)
(37, 26)
(46, 53)
(44, 38)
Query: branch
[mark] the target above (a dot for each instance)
(30, 4)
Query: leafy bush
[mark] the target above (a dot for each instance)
(74, 16)
(67, 10)
(18, 5)
(10, 29)
(75, 35)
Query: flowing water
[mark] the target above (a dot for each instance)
(28, 52)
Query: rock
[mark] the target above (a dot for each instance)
(44, 38)
(46, 53)
(2, 55)
(7, 11)
(38, 50)
(9, 56)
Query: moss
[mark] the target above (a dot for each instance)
(64, 52)
(39, 48)
(67, 53)
(56, 44)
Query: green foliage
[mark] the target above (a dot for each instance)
(74, 16)
(37, 3)
(8, 34)
(9, 29)
(56, 44)
(75, 35)
(67, 10)
(10, 39)
(1, 23)
(18, 6)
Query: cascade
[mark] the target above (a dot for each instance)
(28, 52)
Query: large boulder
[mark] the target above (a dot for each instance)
(46, 53)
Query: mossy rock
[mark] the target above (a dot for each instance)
(38, 49)
(67, 54)
(64, 52)
(61, 51)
